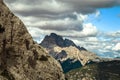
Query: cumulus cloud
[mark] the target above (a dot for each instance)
(102, 47)
(117, 47)
(61, 25)
(66, 18)
(60, 15)
(97, 13)
(113, 34)
(88, 30)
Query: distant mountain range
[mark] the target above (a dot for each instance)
(67, 52)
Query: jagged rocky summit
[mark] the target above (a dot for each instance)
(67, 52)
(20, 57)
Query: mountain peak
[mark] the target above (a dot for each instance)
(56, 40)
(55, 35)
(66, 52)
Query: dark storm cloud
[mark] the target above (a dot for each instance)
(66, 24)
(35, 12)
(65, 6)
(59, 14)
(61, 28)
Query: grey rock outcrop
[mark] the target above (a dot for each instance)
(20, 57)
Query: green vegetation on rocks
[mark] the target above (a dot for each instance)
(109, 70)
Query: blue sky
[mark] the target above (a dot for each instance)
(93, 24)
(109, 19)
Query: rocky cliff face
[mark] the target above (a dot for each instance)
(66, 52)
(20, 57)
(108, 70)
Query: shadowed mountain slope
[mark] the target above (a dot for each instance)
(108, 70)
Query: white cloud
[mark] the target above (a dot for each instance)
(108, 47)
(117, 47)
(35, 32)
(97, 13)
(66, 18)
(60, 15)
(115, 34)
(89, 29)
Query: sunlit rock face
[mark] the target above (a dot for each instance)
(20, 57)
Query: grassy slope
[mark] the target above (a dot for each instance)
(97, 71)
